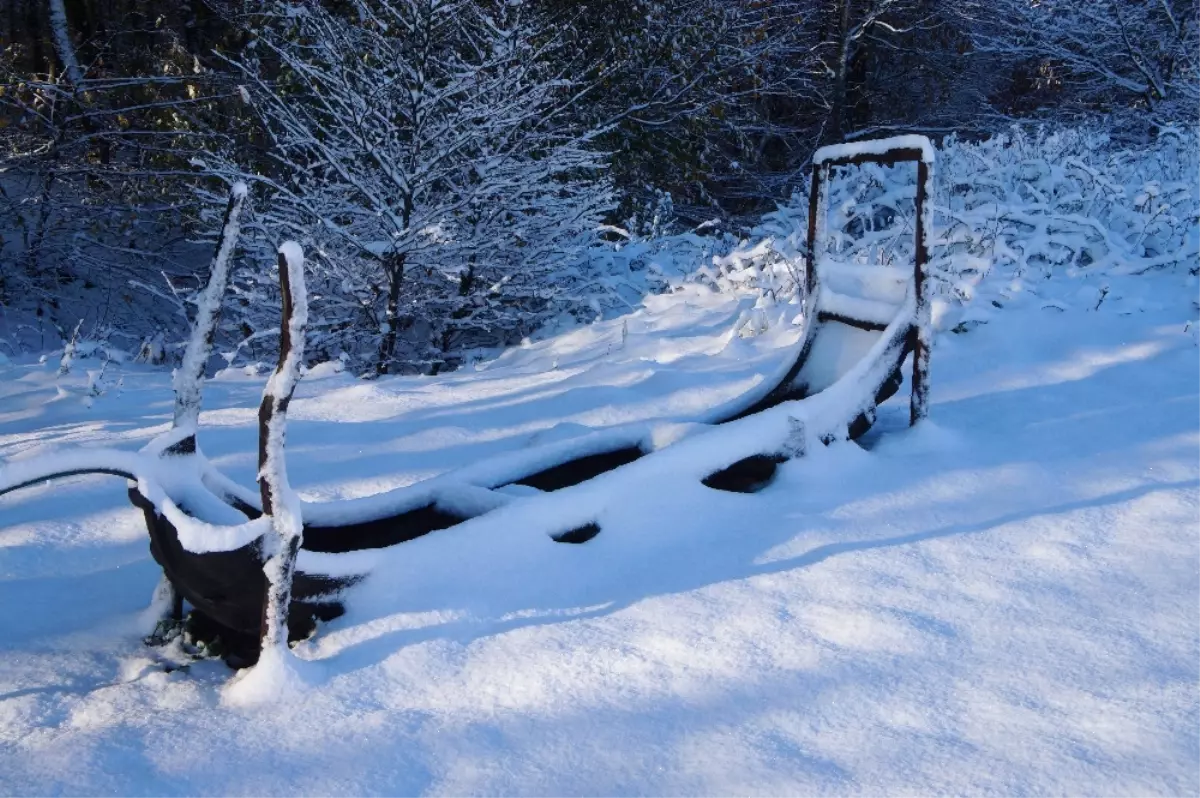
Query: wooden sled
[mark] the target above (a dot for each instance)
(860, 325)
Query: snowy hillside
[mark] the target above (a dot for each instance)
(1002, 600)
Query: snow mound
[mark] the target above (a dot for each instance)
(279, 677)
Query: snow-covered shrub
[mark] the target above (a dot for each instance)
(91, 343)
(68, 355)
(1023, 203)
(152, 349)
(1037, 202)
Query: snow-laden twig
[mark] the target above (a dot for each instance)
(68, 355)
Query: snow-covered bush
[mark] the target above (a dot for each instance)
(1036, 202)
(1025, 204)
(871, 216)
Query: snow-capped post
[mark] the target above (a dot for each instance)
(923, 334)
(816, 227)
(818, 204)
(189, 377)
(188, 380)
(279, 549)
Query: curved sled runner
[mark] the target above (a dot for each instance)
(861, 322)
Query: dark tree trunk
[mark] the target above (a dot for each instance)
(857, 110)
(394, 269)
(837, 110)
(33, 24)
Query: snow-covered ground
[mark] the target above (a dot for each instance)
(1006, 600)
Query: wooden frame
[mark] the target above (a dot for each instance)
(886, 152)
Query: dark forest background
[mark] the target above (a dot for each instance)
(449, 160)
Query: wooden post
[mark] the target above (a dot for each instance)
(922, 332)
(273, 409)
(810, 269)
(189, 378)
(282, 544)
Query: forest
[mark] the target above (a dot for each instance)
(464, 173)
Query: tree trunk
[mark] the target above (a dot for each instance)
(833, 128)
(33, 24)
(33, 253)
(61, 31)
(856, 112)
(394, 269)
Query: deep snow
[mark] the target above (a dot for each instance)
(1004, 600)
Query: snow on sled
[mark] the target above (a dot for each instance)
(213, 537)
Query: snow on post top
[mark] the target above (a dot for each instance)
(838, 152)
(293, 255)
(239, 190)
(293, 252)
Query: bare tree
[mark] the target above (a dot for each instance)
(95, 131)
(1104, 55)
(419, 143)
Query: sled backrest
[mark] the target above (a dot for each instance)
(853, 304)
